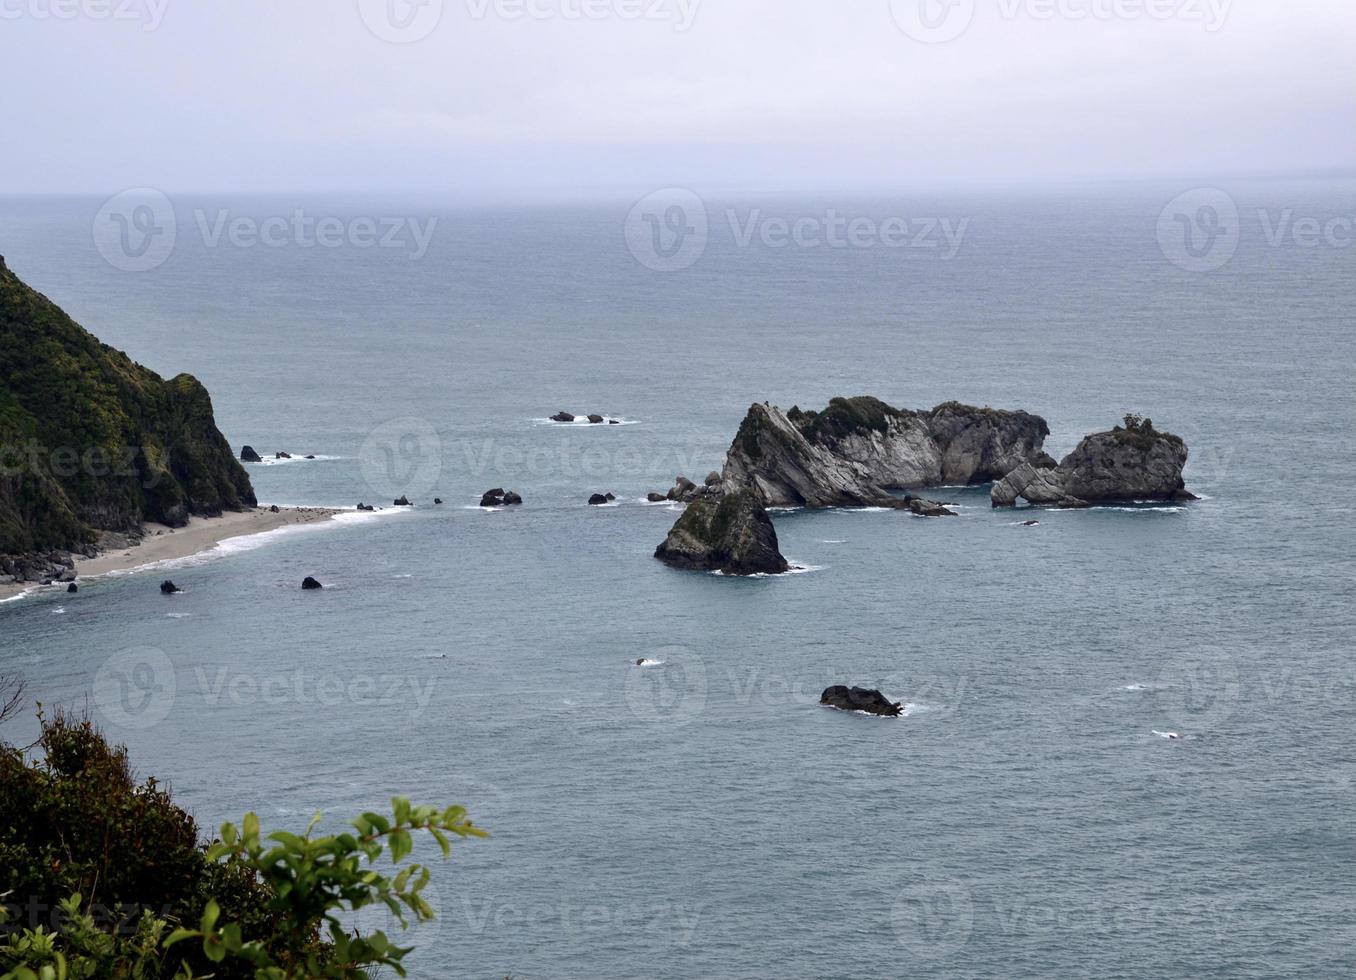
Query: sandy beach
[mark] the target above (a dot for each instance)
(163, 543)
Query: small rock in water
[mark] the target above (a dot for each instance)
(72, 588)
(248, 455)
(511, 499)
(562, 417)
(655, 498)
(282, 455)
(437, 500)
(169, 588)
(362, 506)
(613, 422)
(597, 500)
(1031, 523)
(402, 502)
(860, 699)
(596, 420)
(310, 584)
(273, 509)
(311, 456)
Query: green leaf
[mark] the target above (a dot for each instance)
(210, 914)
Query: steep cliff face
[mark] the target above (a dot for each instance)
(92, 441)
(1130, 462)
(857, 449)
(731, 534)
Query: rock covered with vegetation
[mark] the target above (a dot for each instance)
(730, 534)
(91, 441)
(856, 450)
(1130, 462)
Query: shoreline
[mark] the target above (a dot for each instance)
(162, 544)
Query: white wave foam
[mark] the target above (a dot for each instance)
(270, 461)
(609, 421)
(1171, 736)
(793, 570)
(834, 541)
(59, 611)
(177, 615)
(647, 662)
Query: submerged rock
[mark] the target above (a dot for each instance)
(928, 508)
(248, 455)
(309, 584)
(731, 534)
(860, 699)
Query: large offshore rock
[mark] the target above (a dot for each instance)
(730, 534)
(857, 449)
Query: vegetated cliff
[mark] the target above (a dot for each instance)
(91, 441)
(857, 449)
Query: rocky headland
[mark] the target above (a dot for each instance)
(94, 444)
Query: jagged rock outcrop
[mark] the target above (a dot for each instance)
(857, 449)
(731, 534)
(1130, 462)
(309, 584)
(860, 699)
(91, 441)
(927, 508)
(1041, 486)
(248, 455)
(684, 491)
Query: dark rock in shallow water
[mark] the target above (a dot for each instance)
(310, 584)
(610, 496)
(169, 588)
(363, 506)
(562, 417)
(498, 498)
(72, 588)
(1133, 462)
(927, 508)
(402, 502)
(613, 422)
(312, 456)
(1031, 523)
(273, 509)
(596, 420)
(860, 699)
(282, 456)
(248, 455)
(597, 500)
(437, 500)
(655, 498)
(731, 534)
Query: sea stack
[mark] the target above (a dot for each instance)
(732, 534)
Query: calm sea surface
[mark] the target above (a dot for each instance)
(704, 817)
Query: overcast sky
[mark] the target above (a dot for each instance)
(523, 96)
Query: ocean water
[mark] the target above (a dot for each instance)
(703, 816)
